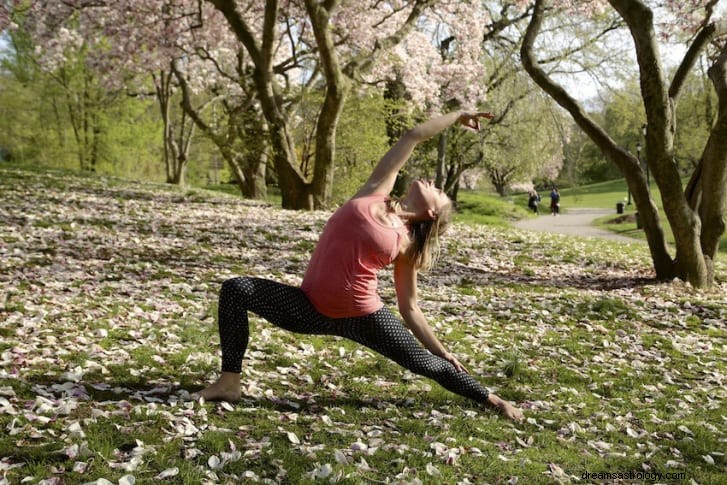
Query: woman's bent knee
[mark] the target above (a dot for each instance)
(234, 287)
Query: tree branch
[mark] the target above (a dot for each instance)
(701, 40)
(240, 28)
(561, 96)
(364, 61)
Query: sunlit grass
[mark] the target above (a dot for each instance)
(616, 372)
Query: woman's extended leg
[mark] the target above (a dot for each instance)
(287, 307)
(383, 332)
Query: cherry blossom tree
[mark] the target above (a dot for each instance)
(353, 43)
(510, 150)
(127, 48)
(524, 142)
(695, 212)
(259, 31)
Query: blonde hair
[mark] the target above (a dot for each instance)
(424, 247)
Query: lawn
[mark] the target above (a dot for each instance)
(606, 195)
(107, 325)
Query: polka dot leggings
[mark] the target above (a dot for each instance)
(287, 307)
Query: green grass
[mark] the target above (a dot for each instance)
(107, 323)
(483, 208)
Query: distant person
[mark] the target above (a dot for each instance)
(533, 200)
(339, 291)
(555, 201)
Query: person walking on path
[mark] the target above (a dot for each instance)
(533, 200)
(339, 295)
(554, 201)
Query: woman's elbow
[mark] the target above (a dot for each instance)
(413, 135)
(408, 310)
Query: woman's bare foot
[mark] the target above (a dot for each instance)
(507, 409)
(226, 388)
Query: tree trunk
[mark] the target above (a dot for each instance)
(690, 263)
(177, 140)
(163, 95)
(295, 191)
(254, 168)
(394, 94)
(184, 134)
(625, 161)
(336, 90)
(254, 171)
(441, 160)
(707, 190)
(96, 141)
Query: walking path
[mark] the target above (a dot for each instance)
(577, 222)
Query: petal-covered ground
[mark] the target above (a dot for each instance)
(108, 291)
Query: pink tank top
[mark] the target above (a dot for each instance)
(341, 277)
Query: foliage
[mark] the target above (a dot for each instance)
(622, 115)
(108, 323)
(477, 207)
(361, 141)
(526, 146)
(696, 113)
(65, 119)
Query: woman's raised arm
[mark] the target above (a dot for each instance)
(384, 175)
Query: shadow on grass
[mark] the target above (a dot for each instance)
(483, 277)
(120, 391)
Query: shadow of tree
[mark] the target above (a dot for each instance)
(604, 281)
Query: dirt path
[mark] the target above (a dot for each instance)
(577, 222)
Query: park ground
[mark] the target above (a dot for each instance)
(574, 222)
(107, 325)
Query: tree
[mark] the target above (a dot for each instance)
(125, 46)
(696, 113)
(257, 28)
(511, 149)
(4, 16)
(236, 131)
(695, 212)
(65, 116)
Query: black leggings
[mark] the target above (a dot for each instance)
(288, 307)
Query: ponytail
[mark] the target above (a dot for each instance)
(424, 248)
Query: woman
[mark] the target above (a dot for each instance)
(533, 199)
(339, 291)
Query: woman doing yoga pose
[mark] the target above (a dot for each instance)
(339, 291)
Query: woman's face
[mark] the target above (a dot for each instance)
(424, 199)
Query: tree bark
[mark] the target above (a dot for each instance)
(295, 191)
(707, 190)
(336, 91)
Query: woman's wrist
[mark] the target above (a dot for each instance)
(494, 401)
